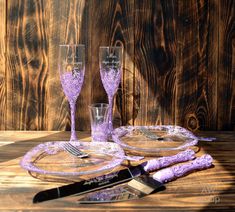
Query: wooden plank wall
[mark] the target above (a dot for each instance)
(178, 68)
(2, 64)
(197, 60)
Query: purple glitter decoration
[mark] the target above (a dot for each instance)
(99, 132)
(72, 84)
(111, 79)
(113, 194)
(169, 174)
(162, 162)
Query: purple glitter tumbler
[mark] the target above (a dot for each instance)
(72, 71)
(99, 121)
(110, 60)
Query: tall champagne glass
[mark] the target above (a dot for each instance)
(72, 71)
(110, 60)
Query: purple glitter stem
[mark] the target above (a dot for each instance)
(73, 136)
(174, 172)
(110, 121)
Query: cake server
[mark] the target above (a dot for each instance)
(144, 185)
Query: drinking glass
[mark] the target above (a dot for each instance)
(99, 121)
(72, 71)
(110, 61)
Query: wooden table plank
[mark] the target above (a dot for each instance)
(204, 190)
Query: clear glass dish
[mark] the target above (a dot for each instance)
(51, 159)
(154, 140)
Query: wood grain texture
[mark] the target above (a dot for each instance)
(206, 190)
(155, 58)
(125, 100)
(2, 64)
(226, 71)
(26, 65)
(178, 65)
(57, 102)
(67, 25)
(197, 59)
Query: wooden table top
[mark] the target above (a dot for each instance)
(204, 190)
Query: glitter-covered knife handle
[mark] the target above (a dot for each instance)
(163, 162)
(172, 173)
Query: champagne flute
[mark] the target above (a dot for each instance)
(110, 60)
(72, 71)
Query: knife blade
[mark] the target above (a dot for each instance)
(114, 178)
(144, 185)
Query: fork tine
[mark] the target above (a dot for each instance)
(73, 147)
(150, 135)
(74, 151)
(69, 150)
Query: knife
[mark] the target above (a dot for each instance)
(144, 185)
(113, 178)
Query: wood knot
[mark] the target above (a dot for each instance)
(192, 122)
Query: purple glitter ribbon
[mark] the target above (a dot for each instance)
(169, 174)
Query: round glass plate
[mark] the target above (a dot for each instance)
(50, 158)
(154, 140)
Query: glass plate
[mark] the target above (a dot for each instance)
(50, 158)
(154, 140)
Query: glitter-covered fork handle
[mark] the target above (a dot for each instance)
(172, 173)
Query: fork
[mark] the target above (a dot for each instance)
(147, 133)
(78, 153)
(74, 150)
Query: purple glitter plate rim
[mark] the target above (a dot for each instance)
(26, 161)
(176, 130)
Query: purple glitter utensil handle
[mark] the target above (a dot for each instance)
(162, 162)
(169, 174)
